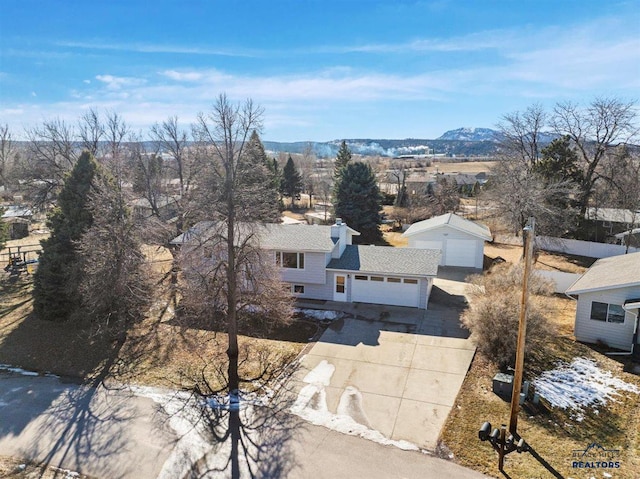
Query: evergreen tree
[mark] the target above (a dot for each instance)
(559, 162)
(115, 287)
(342, 160)
(255, 173)
(358, 200)
(291, 181)
(57, 278)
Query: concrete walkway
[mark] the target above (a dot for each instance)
(399, 370)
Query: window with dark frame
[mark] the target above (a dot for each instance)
(298, 288)
(611, 313)
(290, 260)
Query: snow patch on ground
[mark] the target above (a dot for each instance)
(320, 314)
(311, 405)
(580, 385)
(185, 419)
(23, 372)
(187, 416)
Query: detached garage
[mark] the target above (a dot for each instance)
(384, 275)
(461, 241)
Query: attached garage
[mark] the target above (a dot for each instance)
(385, 275)
(392, 290)
(461, 241)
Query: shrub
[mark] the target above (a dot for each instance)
(494, 312)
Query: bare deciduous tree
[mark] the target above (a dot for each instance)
(234, 202)
(51, 153)
(91, 131)
(605, 123)
(7, 154)
(521, 134)
(520, 194)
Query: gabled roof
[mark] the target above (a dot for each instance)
(388, 260)
(297, 238)
(272, 236)
(609, 273)
(453, 221)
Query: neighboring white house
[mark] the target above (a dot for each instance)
(608, 297)
(461, 241)
(320, 262)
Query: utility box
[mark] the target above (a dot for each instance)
(503, 385)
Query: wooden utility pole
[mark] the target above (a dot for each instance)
(529, 238)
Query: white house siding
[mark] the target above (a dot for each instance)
(424, 288)
(314, 271)
(613, 334)
(317, 291)
(425, 292)
(442, 236)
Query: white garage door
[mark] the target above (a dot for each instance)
(392, 290)
(425, 244)
(461, 253)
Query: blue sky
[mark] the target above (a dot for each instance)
(322, 70)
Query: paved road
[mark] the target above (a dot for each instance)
(120, 433)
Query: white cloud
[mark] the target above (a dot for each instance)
(117, 83)
(182, 76)
(156, 48)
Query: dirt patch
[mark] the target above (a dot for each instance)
(544, 260)
(14, 468)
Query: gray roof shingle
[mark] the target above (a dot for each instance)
(388, 260)
(310, 238)
(609, 273)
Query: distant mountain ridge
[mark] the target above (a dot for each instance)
(461, 142)
(392, 148)
(471, 134)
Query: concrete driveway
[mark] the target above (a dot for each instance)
(393, 370)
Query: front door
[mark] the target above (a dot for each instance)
(340, 288)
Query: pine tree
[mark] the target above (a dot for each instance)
(57, 278)
(114, 288)
(559, 162)
(291, 181)
(358, 200)
(342, 160)
(253, 171)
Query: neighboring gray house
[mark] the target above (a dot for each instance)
(320, 262)
(608, 297)
(461, 240)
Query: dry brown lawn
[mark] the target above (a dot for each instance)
(461, 167)
(551, 432)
